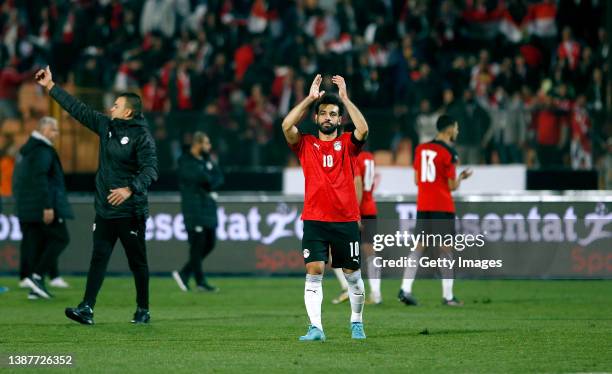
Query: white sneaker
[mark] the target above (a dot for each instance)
(33, 296)
(374, 299)
(23, 283)
(59, 282)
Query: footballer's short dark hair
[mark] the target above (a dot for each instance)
(329, 99)
(445, 121)
(132, 101)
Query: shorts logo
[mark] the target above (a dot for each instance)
(306, 253)
(125, 140)
(94, 227)
(199, 229)
(209, 165)
(337, 146)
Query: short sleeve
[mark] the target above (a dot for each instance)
(297, 147)
(354, 145)
(452, 165)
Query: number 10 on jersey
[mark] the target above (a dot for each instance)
(328, 161)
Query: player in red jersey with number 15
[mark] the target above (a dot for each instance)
(331, 211)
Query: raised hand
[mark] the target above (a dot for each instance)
(314, 88)
(339, 81)
(466, 174)
(44, 77)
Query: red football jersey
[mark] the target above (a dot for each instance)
(434, 163)
(328, 176)
(364, 166)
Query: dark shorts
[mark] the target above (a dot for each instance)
(368, 229)
(341, 238)
(433, 223)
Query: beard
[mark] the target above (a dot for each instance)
(327, 130)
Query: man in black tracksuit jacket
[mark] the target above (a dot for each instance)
(199, 175)
(127, 167)
(42, 206)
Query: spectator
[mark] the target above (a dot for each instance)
(10, 80)
(508, 127)
(562, 100)
(581, 146)
(426, 122)
(603, 47)
(99, 35)
(366, 83)
(261, 113)
(450, 106)
(427, 86)
(482, 75)
(155, 54)
(243, 58)
(180, 86)
(505, 78)
(127, 77)
(550, 133)
(394, 52)
(584, 72)
(158, 15)
(90, 77)
(523, 74)
(154, 96)
(459, 75)
(474, 122)
(568, 51)
(596, 98)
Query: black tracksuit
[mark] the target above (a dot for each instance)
(127, 159)
(38, 184)
(197, 179)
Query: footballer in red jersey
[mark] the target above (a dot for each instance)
(435, 175)
(331, 212)
(365, 182)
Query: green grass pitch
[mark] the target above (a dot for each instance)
(253, 324)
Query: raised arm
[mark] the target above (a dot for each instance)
(77, 109)
(296, 114)
(361, 126)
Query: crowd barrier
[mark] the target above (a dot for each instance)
(542, 235)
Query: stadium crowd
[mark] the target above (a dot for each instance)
(526, 79)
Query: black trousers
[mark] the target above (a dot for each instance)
(201, 243)
(131, 233)
(41, 247)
